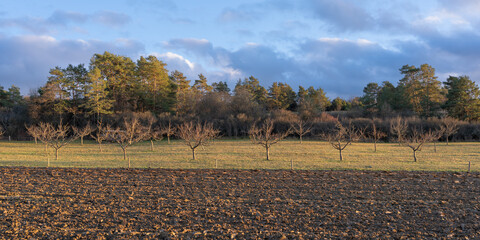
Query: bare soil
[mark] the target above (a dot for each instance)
(237, 204)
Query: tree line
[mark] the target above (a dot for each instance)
(114, 86)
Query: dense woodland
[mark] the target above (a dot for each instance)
(112, 87)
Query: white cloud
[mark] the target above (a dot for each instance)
(26, 60)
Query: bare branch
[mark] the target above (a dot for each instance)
(265, 136)
(82, 132)
(399, 127)
(131, 133)
(301, 128)
(450, 127)
(416, 140)
(343, 136)
(195, 135)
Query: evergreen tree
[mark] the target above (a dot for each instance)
(97, 96)
(281, 96)
(154, 88)
(462, 98)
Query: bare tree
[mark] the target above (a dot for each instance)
(131, 133)
(32, 131)
(169, 130)
(41, 132)
(450, 127)
(301, 128)
(265, 136)
(343, 136)
(417, 139)
(398, 127)
(82, 132)
(101, 134)
(153, 134)
(55, 137)
(195, 135)
(438, 133)
(376, 135)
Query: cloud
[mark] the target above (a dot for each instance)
(235, 15)
(33, 25)
(342, 14)
(26, 60)
(63, 19)
(112, 19)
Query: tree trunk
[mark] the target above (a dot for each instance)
(375, 146)
(168, 139)
(414, 156)
(56, 154)
(447, 140)
(193, 153)
(301, 139)
(36, 141)
(125, 156)
(435, 146)
(151, 145)
(268, 153)
(81, 140)
(100, 146)
(341, 158)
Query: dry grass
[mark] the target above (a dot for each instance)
(242, 154)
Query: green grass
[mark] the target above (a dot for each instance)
(242, 154)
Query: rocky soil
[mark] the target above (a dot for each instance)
(236, 204)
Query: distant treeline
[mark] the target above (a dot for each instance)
(113, 86)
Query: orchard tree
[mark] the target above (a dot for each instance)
(300, 127)
(82, 132)
(131, 133)
(55, 137)
(196, 134)
(154, 133)
(450, 127)
(101, 134)
(343, 136)
(398, 127)
(417, 139)
(169, 130)
(376, 134)
(265, 136)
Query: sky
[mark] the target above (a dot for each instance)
(337, 45)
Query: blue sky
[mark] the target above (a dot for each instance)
(338, 45)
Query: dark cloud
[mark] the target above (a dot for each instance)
(341, 67)
(342, 14)
(25, 61)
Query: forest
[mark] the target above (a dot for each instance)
(113, 87)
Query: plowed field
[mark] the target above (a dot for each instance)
(225, 204)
